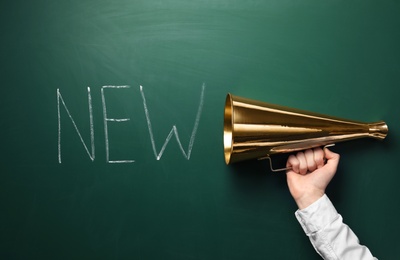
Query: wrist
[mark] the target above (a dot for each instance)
(308, 199)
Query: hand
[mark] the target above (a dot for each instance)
(310, 175)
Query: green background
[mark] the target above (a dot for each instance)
(340, 58)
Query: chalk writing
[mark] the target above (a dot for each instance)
(92, 154)
(174, 130)
(106, 120)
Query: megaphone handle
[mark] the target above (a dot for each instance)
(272, 169)
(287, 168)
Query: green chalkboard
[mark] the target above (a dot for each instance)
(112, 121)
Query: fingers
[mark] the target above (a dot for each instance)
(311, 165)
(319, 157)
(302, 163)
(308, 161)
(293, 163)
(299, 162)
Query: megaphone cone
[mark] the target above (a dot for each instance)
(254, 129)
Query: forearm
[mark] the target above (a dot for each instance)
(331, 238)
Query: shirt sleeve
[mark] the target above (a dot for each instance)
(331, 238)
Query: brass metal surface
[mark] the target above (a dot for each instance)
(254, 129)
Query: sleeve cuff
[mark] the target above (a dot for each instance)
(316, 216)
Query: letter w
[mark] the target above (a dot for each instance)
(174, 130)
(59, 97)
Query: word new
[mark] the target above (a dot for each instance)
(106, 120)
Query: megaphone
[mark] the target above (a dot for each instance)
(255, 129)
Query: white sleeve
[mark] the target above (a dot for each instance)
(331, 238)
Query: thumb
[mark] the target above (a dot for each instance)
(332, 160)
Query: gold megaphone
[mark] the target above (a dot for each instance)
(254, 129)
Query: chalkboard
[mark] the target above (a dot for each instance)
(112, 123)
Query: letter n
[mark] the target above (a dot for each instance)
(91, 154)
